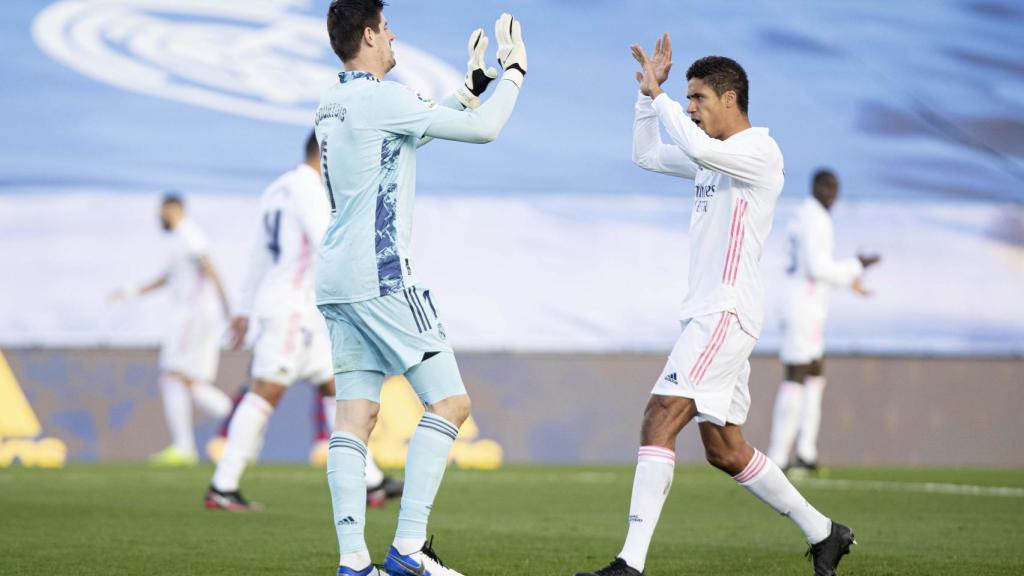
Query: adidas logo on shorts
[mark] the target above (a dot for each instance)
(672, 378)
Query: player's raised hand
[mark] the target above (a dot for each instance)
(655, 69)
(478, 76)
(511, 49)
(239, 327)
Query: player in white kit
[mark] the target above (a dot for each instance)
(738, 175)
(381, 320)
(191, 347)
(292, 343)
(810, 275)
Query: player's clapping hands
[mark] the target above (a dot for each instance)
(511, 49)
(655, 68)
(478, 75)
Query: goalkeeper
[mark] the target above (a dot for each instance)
(381, 320)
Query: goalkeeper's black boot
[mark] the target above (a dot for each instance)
(826, 554)
(618, 567)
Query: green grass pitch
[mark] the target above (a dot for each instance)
(131, 519)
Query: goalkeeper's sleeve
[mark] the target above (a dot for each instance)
(478, 125)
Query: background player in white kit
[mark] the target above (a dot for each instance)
(292, 342)
(738, 175)
(191, 347)
(380, 319)
(810, 275)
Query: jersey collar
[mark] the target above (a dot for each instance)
(350, 75)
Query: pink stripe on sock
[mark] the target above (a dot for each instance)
(754, 467)
(657, 452)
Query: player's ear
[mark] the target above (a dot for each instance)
(729, 98)
(368, 36)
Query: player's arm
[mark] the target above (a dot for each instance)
(483, 124)
(259, 263)
(478, 77)
(210, 271)
(451, 102)
(817, 255)
(127, 293)
(649, 152)
(740, 159)
(736, 158)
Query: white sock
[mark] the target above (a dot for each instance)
(374, 475)
(654, 469)
(178, 412)
(211, 399)
(356, 560)
(406, 546)
(766, 481)
(785, 421)
(245, 437)
(810, 419)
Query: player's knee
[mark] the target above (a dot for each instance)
(455, 409)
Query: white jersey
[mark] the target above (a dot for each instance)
(294, 213)
(812, 272)
(737, 182)
(192, 292)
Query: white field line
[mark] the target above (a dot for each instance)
(915, 487)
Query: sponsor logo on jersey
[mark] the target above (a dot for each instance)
(266, 60)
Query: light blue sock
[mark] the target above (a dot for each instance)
(424, 469)
(346, 476)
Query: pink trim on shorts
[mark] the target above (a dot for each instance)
(700, 367)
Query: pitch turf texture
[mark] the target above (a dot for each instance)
(131, 519)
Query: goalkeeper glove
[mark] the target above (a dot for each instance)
(511, 50)
(477, 77)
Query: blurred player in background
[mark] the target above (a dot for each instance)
(292, 342)
(738, 175)
(811, 275)
(380, 320)
(191, 348)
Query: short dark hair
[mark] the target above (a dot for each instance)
(722, 74)
(312, 146)
(173, 197)
(824, 179)
(346, 20)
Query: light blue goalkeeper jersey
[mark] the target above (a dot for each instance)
(368, 131)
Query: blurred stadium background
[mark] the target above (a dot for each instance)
(559, 265)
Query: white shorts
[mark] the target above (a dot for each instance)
(710, 364)
(802, 336)
(292, 347)
(191, 346)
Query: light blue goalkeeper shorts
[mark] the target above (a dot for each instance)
(389, 335)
